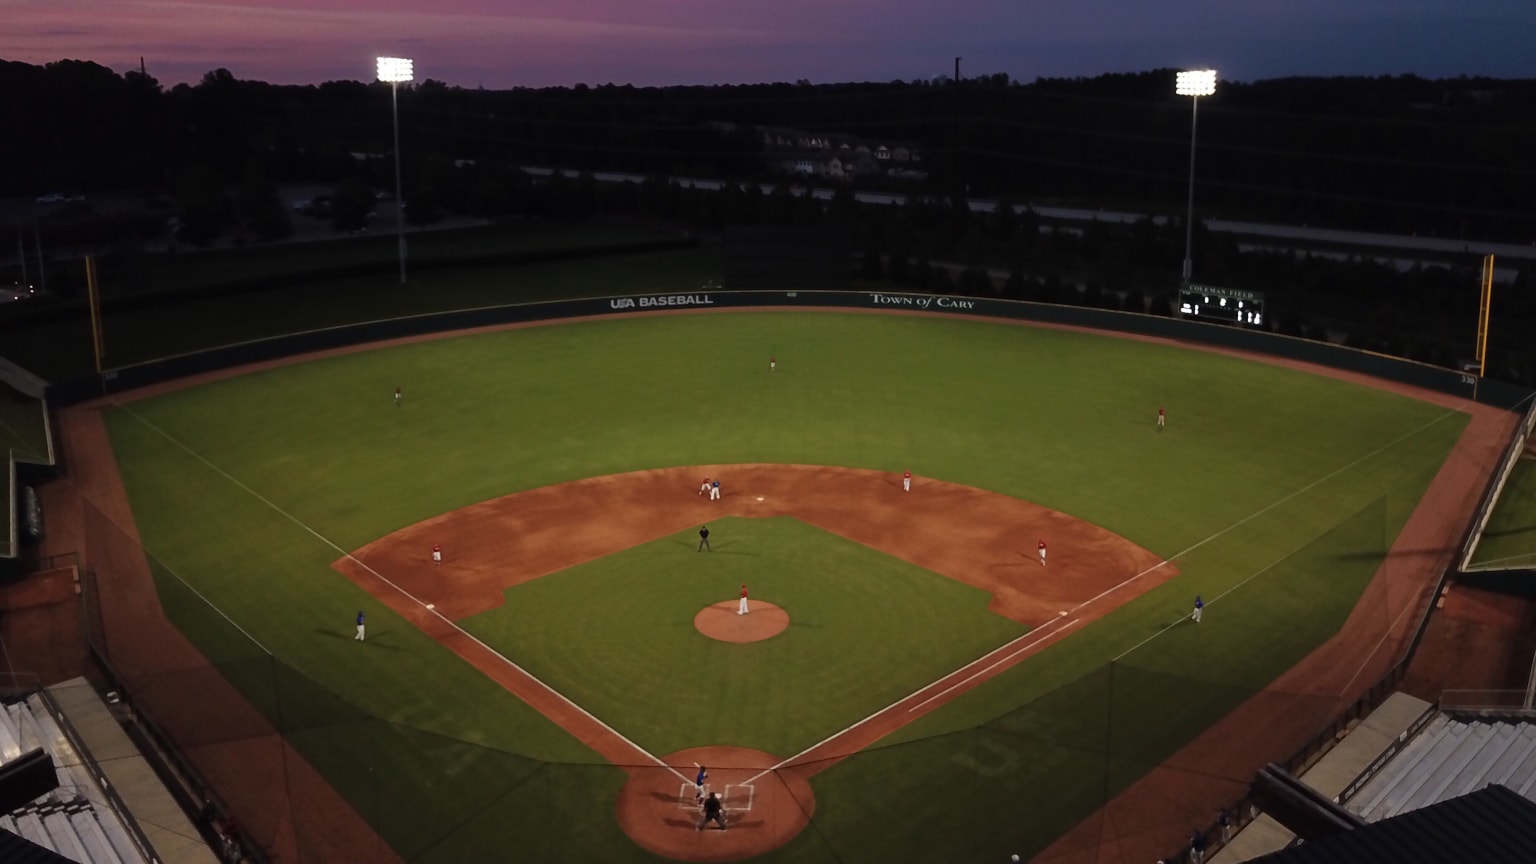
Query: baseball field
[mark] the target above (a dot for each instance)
(911, 683)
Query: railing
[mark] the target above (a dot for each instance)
(124, 815)
(186, 784)
(1245, 811)
(1386, 755)
(1496, 484)
(1501, 701)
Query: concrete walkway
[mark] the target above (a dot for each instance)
(174, 838)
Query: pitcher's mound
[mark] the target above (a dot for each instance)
(720, 621)
(764, 808)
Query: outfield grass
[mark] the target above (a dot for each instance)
(1243, 483)
(1509, 539)
(616, 635)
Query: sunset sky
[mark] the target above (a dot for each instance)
(505, 43)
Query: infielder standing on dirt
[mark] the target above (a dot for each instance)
(714, 491)
(741, 608)
(704, 487)
(906, 481)
(437, 554)
(1042, 553)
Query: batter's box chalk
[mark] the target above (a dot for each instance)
(738, 797)
(685, 797)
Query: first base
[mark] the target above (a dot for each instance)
(759, 497)
(433, 606)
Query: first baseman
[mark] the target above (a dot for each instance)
(437, 554)
(741, 608)
(714, 490)
(1042, 553)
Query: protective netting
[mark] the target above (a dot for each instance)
(276, 747)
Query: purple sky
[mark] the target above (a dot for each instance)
(505, 43)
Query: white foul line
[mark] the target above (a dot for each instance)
(429, 610)
(980, 672)
(985, 669)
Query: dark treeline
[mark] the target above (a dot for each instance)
(1449, 158)
(1444, 158)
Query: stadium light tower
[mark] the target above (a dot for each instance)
(1194, 84)
(397, 70)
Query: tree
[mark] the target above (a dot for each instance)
(351, 204)
(202, 204)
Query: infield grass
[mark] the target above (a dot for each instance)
(619, 632)
(1247, 488)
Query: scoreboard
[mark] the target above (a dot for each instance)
(1224, 305)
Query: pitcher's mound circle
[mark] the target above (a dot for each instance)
(720, 621)
(763, 809)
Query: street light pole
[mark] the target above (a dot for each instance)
(1196, 83)
(396, 70)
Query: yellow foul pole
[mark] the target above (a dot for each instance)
(1484, 305)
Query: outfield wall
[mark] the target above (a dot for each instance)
(230, 356)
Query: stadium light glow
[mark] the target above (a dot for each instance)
(397, 71)
(1196, 82)
(1193, 83)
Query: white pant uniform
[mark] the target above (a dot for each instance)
(741, 608)
(359, 636)
(906, 484)
(1042, 556)
(437, 556)
(704, 489)
(714, 493)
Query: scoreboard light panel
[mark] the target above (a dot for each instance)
(1226, 305)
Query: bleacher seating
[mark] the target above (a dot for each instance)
(1452, 756)
(75, 819)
